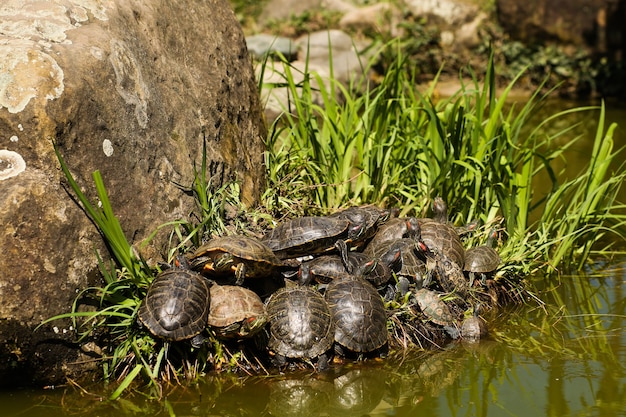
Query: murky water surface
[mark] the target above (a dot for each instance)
(551, 360)
(566, 357)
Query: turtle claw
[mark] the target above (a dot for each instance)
(240, 274)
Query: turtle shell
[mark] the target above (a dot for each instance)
(394, 229)
(177, 305)
(441, 236)
(224, 255)
(358, 313)
(444, 239)
(473, 328)
(307, 235)
(300, 324)
(434, 308)
(449, 274)
(481, 259)
(368, 218)
(236, 312)
(322, 269)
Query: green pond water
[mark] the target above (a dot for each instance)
(563, 356)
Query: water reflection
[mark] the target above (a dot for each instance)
(563, 358)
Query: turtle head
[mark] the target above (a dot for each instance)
(304, 274)
(252, 325)
(413, 229)
(440, 210)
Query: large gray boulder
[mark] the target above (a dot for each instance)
(133, 89)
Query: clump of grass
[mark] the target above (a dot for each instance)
(397, 147)
(130, 351)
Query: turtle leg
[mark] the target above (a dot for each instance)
(240, 274)
(198, 340)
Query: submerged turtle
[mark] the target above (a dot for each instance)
(177, 305)
(435, 309)
(473, 328)
(482, 260)
(358, 313)
(236, 312)
(300, 324)
(440, 236)
(309, 235)
(241, 256)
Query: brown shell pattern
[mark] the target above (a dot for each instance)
(434, 308)
(231, 304)
(177, 305)
(258, 257)
(481, 259)
(443, 238)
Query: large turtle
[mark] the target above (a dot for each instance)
(482, 260)
(177, 306)
(309, 235)
(300, 324)
(440, 236)
(241, 256)
(359, 314)
(236, 312)
(435, 309)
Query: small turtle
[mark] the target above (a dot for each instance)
(375, 270)
(435, 309)
(482, 260)
(368, 218)
(300, 324)
(448, 273)
(473, 328)
(309, 235)
(236, 312)
(440, 236)
(394, 229)
(324, 269)
(358, 313)
(177, 306)
(241, 256)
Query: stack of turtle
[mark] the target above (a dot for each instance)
(337, 282)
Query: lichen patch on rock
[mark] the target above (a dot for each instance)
(11, 164)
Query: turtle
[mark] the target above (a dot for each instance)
(405, 261)
(482, 260)
(435, 309)
(236, 312)
(440, 236)
(394, 229)
(473, 328)
(308, 235)
(300, 324)
(177, 306)
(448, 274)
(358, 313)
(375, 270)
(325, 268)
(241, 256)
(369, 218)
